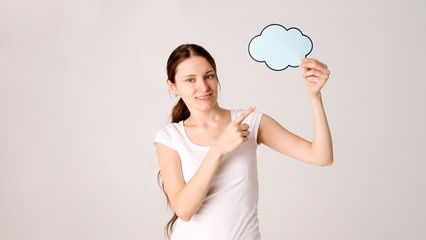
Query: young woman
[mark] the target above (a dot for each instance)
(207, 155)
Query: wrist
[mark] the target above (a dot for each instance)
(216, 152)
(315, 95)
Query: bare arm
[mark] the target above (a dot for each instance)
(186, 198)
(320, 150)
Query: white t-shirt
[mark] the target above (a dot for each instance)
(229, 210)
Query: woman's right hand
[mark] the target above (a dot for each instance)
(234, 135)
(187, 197)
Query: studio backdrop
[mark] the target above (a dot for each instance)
(83, 92)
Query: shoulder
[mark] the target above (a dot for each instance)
(167, 134)
(169, 128)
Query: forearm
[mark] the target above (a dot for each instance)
(322, 147)
(192, 195)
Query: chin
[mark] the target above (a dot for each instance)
(205, 106)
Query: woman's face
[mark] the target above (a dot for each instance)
(196, 83)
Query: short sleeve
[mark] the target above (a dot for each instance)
(164, 136)
(257, 116)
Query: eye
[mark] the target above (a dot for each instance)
(190, 80)
(209, 76)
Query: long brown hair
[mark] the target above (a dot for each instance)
(180, 111)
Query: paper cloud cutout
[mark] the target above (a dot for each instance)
(279, 47)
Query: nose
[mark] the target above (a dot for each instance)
(203, 85)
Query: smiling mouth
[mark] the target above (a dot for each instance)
(204, 97)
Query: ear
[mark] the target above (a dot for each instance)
(172, 87)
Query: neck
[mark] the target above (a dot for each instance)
(206, 118)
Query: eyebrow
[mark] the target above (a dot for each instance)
(191, 75)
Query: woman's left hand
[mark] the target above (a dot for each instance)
(316, 75)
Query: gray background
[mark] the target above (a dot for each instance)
(83, 92)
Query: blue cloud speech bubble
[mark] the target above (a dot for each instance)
(279, 47)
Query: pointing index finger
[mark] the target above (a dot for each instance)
(243, 115)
